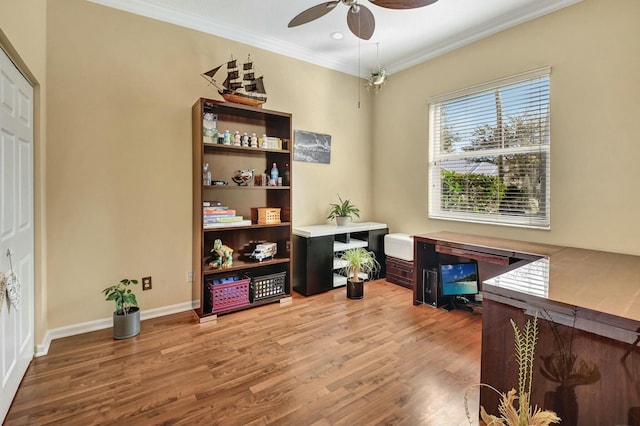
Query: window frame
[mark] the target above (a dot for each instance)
(437, 155)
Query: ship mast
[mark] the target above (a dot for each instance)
(237, 87)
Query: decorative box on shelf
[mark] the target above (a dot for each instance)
(265, 215)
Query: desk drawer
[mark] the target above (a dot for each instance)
(400, 272)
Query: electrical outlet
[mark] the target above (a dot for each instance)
(189, 277)
(146, 283)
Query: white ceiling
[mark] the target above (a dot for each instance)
(403, 37)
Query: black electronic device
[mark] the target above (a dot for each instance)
(458, 283)
(459, 279)
(431, 295)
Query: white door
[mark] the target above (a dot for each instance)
(16, 227)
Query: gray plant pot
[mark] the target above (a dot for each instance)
(126, 326)
(342, 220)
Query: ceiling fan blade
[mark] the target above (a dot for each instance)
(402, 4)
(361, 23)
(312, 13)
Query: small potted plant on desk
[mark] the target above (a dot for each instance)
(358, 261)
(343, 211)
(126, 317)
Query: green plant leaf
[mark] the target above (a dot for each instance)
(359, 260)
(123, 297)
(343, 209)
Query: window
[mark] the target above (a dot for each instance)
(489, 152)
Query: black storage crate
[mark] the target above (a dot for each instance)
(267, 286)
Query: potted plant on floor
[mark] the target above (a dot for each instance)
(359, 265)
(126, 317)
(343, 211)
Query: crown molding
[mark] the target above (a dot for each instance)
(480, 32)
(238, 34)
(227, 31)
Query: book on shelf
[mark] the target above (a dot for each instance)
(227, 224)
(227, 213)
(214, 218)
(222, 219)
(214, 205)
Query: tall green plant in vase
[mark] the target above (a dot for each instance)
(126, 317)
(358, 261)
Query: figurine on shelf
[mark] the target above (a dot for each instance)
(237, 139)
(222, 255)
(244, 177)
(209, 128)
(206, 174)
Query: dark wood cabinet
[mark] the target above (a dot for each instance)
(607, 370)
(224, 161)
(316, 248)
(586, 303)
(313, 268)
(430, 253)
(400, 272)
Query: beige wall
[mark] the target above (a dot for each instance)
(119, 166)
(120, 89)
(592, 48)
(23, 34)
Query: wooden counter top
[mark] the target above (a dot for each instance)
(603, 287)
(474, 242)
(591, 297)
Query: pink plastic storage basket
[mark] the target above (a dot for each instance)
(229, 291)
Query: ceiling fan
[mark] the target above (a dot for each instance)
(359, 19)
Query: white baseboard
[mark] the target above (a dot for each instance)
(85, 327)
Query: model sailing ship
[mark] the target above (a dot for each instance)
(246, 89)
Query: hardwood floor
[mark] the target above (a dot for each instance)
(321, 360)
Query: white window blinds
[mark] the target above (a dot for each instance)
(489, 152)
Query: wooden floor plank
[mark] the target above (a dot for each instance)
(321, 360)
